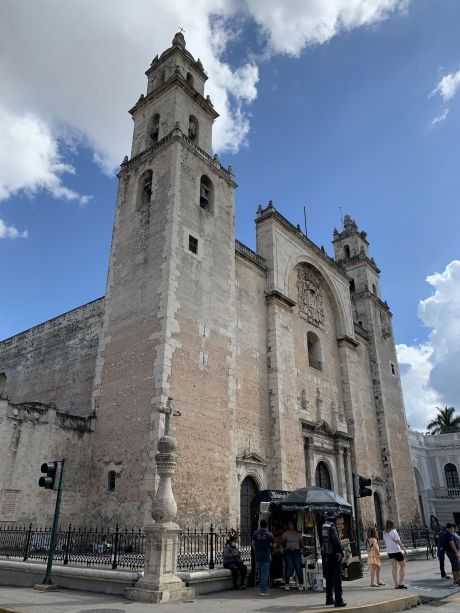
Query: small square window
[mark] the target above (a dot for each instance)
(192, 244)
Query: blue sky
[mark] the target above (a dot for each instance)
(323, 104)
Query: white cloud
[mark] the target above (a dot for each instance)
(79, 65)
(290, 26)
(430, 371)
(448, 86)
(10, 231)
(29, 158)
(440, 117)
(420, 398)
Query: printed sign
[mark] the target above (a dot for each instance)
(9, 505)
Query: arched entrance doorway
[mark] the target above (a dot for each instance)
(248, 491)
(323, 476)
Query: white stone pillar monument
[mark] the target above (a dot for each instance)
(160, 582)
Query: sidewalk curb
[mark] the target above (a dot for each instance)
(387, 606)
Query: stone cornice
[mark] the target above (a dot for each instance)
(310, 429)
(270, 211)
(358, 259)
(347, 340)
(176, 80)
(274, 296)
(174, 136)
(367, 294)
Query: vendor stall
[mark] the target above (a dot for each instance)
(306, 508)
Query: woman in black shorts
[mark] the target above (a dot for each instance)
(394, 547)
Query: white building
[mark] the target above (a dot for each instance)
(436, 461)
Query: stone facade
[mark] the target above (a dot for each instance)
(282, 361)
(436, 462)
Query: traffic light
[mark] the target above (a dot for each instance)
(49, 468)
(364, 484)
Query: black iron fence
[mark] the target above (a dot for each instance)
(198, 548)
(77, 546)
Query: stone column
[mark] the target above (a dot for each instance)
(341, 471)
(349, 477)
(309, 460)
(160, 582)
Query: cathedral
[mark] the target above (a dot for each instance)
(278, 365)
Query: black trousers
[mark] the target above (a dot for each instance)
(237, 567)
(333, 578)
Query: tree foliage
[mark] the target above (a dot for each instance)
(445, 421)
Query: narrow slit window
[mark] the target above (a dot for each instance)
(145, 195)
(154, 129)
(206, 194)
(192, 244)
(111, 480)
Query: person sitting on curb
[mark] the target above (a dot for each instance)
(394, 546)
(233, 561)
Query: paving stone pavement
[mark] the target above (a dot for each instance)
(422, 578)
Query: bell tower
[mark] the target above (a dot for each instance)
(374, 316)
(175, 96)
(169, 305)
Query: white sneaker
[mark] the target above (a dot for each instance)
(263, 593)
(301, 588)
(286, 588)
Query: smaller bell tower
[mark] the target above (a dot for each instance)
(352, 252)
(175, 98)
(374, 316)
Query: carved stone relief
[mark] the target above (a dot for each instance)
(310, 295)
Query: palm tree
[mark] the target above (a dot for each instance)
(446, 421)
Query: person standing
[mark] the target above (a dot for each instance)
(373, 556)
(453, 551)
(333, 556)
(292, 544)
(435, 527)
(233, 561)
(262, 542)
(394, 547)
(441, 553)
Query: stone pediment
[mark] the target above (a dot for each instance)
(250, 457)
(323, 427)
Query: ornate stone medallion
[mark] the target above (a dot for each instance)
(310, 295)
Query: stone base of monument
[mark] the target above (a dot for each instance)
(165, 592)
(160, 582)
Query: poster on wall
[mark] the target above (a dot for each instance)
(9, 503)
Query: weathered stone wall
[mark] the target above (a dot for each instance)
(128, 382)
(54, 362)
(31, 434)
(253, 422)
(201, 372)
